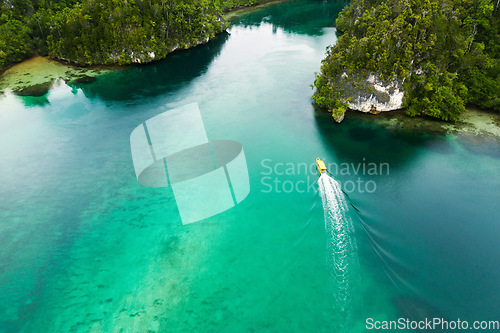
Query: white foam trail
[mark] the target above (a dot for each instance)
(342, 249)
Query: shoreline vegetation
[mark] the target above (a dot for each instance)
(86, 33)
(35, 76)
(35, 73)
(443, 54)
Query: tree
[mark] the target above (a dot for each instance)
(447, 53)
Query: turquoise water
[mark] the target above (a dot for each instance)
(86, 248)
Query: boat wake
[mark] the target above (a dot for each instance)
(342, 249)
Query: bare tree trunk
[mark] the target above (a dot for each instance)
(474, 31)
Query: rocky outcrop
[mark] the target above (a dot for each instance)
(35, 90)
(370, 93)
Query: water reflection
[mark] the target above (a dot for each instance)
(150, 80)
(30, 101)
(297, 17)
(349, 140)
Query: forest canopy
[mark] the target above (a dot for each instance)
(446, 52)
(92, 32)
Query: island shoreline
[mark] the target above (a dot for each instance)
(79, 71)
(229, 16)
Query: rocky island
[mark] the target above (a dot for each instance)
(431, 57)
(108, 32)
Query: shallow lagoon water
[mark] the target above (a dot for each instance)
(84, 247)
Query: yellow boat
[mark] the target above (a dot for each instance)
(321, 166)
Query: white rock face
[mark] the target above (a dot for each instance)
(372, 93)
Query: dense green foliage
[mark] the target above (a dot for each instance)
(107, 31)
(446, 52)
(14, 41)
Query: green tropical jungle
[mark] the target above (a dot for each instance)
(446, 53)
(110, 31)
